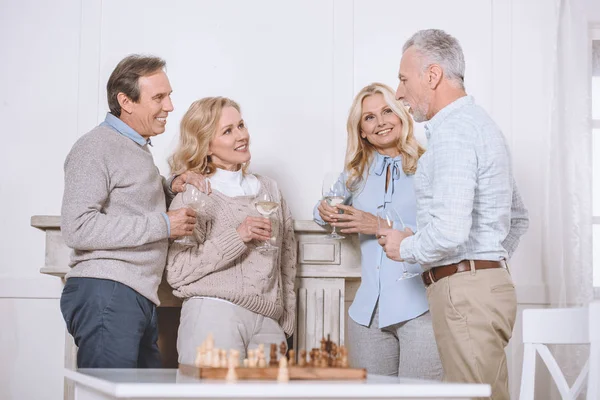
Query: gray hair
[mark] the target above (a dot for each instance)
(438, 47)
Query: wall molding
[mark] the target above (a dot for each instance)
(30, 287)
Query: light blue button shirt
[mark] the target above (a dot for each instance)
(399, 300)
(127, 131)
(469, 207)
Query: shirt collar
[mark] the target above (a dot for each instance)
(124, 129)
(381, 161)
(441, 115)
(228, 177)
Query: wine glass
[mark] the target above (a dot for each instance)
(391, 219)
(266, 206)
(333, 193)
(193, 198)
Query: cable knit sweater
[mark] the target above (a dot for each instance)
(221, 265)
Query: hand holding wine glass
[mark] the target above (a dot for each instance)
(266, 205)
(334, 194)
(391, 219)
(193, 198)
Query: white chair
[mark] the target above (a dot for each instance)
(593, 392)
(552, 326)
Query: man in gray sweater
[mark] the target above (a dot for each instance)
(114, 217)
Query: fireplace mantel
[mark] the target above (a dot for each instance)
(328, 275)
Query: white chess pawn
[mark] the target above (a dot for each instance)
(216, 362)
(223, 358)
(199, 356)
(251, 359)
(231, 374)
(235, 354)
(210, 342)
(283, 375)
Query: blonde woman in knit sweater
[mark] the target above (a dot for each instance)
(242, 296)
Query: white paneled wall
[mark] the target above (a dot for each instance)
(294, 67)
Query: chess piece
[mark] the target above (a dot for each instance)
(216, 360)
(210, 341)
(235, 354)
(323, 344)
(283, 348)
(273, 355)
(292, 360)
(252, 360)
(333, 355)
(344, 357)
(223, 358)
(262, 362)
(323, 359)
(302, 360)
(199, 356)
(231, 374)
(283, 375)
(313, 358)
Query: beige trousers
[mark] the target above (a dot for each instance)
(473, 315)
(232, 326)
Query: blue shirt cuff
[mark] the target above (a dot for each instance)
(168, 224)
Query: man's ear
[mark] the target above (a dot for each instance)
(435, 73)
(125, 102)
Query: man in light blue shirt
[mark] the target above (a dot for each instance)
(470, 215)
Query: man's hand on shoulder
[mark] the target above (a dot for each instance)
(193, 178)
(183, 221)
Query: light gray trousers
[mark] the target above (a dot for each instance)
(406, 349)
(232, 326)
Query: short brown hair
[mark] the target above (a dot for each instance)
(125, 77)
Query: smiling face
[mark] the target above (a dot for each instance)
(229, 149)
(379, 125)
(413, 89)
(148, 116)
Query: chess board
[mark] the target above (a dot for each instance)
(329, 362)
(270, 373)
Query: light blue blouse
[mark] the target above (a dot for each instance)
(399, 300)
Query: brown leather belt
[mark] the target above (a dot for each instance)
(437, 273)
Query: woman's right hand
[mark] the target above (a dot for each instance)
(258, 228)
(327, 213)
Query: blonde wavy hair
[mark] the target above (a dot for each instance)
(198, 128)
(359, 152)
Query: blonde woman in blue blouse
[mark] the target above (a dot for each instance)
(389, 328)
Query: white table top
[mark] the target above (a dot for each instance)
(169, 383)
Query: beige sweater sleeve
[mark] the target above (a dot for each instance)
(288, 270)
(186, 265)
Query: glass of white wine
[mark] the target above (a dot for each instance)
(266, 206)
(391, 219)
(334, 194)
(195, 199)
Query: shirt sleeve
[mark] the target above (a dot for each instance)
(454, 173)
(519, 222)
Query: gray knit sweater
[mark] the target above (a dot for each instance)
(223, 266)
(112, 212)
